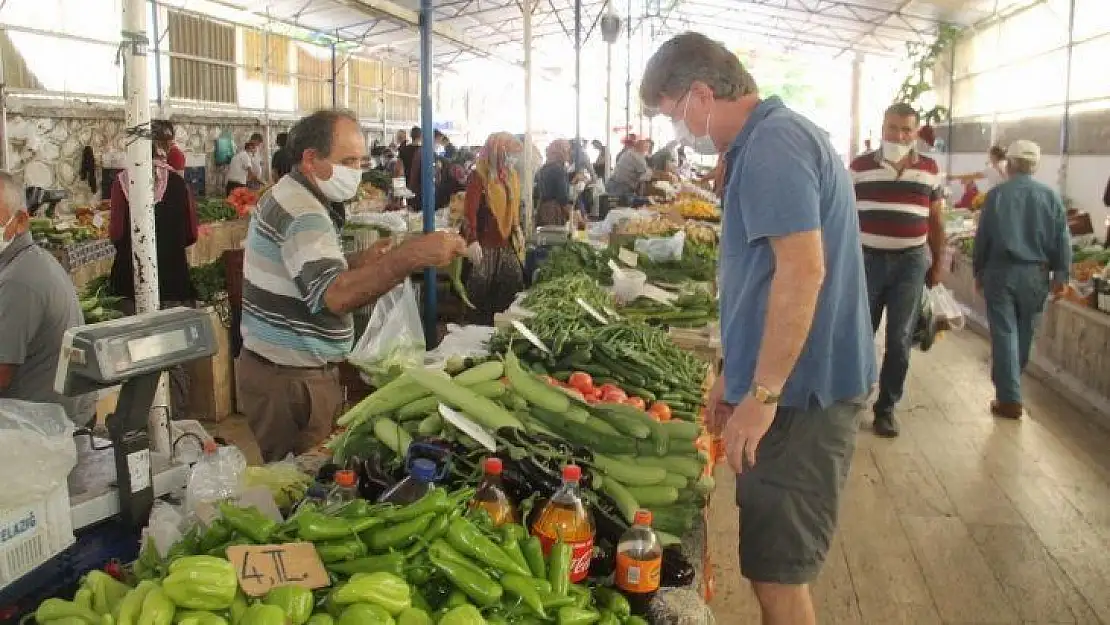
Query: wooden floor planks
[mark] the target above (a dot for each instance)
(962, 519)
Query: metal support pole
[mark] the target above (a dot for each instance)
(628, 74)
(1065, 122)
(854, 112)
(157, 60)
(528, 183)
(951, 103)
(267, 141)
(608, 110)
(140, 192)
(334, 79)
(381, 102)
(427, 164)
(5, 155)
(577, 79)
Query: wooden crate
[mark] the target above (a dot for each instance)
(212, 379)
(705, 343)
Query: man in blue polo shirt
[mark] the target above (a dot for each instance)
(798, 349)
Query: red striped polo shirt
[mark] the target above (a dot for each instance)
(894, 206)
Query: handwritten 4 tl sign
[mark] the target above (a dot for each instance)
(262, 567)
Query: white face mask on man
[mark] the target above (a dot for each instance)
(895, 152)
(343, 184)
(702, 145)
(4, 241)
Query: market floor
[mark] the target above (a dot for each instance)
(964, 518)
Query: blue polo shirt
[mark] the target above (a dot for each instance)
(784, 177)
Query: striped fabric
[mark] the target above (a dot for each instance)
(292, 256)
(894, 208)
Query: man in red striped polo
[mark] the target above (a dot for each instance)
(899, 198)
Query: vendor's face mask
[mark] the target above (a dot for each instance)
(702, 145)
(343, 184)
(4, 241)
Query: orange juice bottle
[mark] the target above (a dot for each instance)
(566, 518)
(639, 563)
(491, 495)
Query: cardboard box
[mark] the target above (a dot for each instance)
(212, 380)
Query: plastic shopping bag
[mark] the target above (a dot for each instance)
(39, 450)
(663, 249)
(946, 310)
(394, 338)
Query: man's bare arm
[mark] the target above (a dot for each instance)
(937, 238)
(363, 285)
(370, 254)
(792, 303)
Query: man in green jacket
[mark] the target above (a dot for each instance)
(1022, 249)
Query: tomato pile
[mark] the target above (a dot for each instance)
(581, 385)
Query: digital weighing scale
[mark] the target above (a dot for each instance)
(122, 476)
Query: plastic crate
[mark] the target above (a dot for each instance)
(33, 533)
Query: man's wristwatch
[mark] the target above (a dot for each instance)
(764, 395)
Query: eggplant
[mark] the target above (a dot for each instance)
(602, 562)
(676, 570)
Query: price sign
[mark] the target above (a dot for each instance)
(628, 257)
(531, 336)
(262, 567)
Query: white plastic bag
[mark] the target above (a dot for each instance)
(215, 477)
(944, 306)
(165, 526)
(39, 452)
(394, 338)
(663, 249)
(460, 342)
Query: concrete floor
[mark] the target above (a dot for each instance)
(964, 518)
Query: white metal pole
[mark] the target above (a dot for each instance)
(5, 156)
(608, 108)
(526, 184)
(854, 114)
(267, 141)
(140, 193)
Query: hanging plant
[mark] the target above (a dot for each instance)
(923, 58)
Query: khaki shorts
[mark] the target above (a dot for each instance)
(289, 410)
(789, 501)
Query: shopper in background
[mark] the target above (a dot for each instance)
(631, 171)
(407, 150)
(299, 289)
(992, 175)
(163, 134)
(245, 169)
(401, 138)
(492, 228)
(553, 200)
(282, 162)
(37, 305)
(899, 194)
(1022, 250)
(601, 163)
(627, 143)
(798, 353)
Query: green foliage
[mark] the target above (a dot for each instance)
(918, 82)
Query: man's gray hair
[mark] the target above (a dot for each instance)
(689, 57)
(1021, 165)
(12, 194)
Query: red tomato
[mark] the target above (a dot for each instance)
(615, 396)
(594, 393)
(605, 388)
(636, 401)
(581, 381)
(661, 411)
(573, 392)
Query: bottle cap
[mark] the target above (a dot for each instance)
(492, 466)
(423, 470)
(345, 478)
(572, 473)
(643, 517)
(210, 447)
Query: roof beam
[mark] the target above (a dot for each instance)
(776, 35)
(871, 32)
(782, 11)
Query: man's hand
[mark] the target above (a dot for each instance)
(474, 253)
(747, 425)
(933, 275)
(436, 249)
(717, 411)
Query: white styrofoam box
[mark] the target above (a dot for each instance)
(33, 533)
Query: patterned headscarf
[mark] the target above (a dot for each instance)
(500, 181)
(558, 150)
(498, 146)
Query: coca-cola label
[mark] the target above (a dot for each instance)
(581, 553)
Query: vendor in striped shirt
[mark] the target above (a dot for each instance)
(900, 203)
(299, 289)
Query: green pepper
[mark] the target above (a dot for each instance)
(462, 615)
(339, 550)
(69, 620)
(158, 609)
(386, 563)
(382, 589)
(54, 609)
(418, 600)
(201, 583)
(106, 591)
(217, 534)
(356, 509)
(198, 617)
(297, 602)
(399, 535)
(613, 601)
(497, 619)
(571, 615)
(470, 541)
(635, 620)
(581, 594)
(435, 530)
(455, 599)
(533, 554)
(608, 618)
(455, 273)
(321, 619)
(435, 502)
(131, 606)
(466, 576)
(512, 549)
(238, 608)
(315, 527)
(84, 598)
(513, 533)
(365, 614)
(552, 602)
(413, 616)
(249, 522)
(524, 588)
(558, 568)
(262, 614)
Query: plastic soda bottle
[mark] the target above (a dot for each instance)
(345, 488)
(421, 479)
(565, 517)
(491, 495)
(639, 562)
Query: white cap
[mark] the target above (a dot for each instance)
(1025, 150)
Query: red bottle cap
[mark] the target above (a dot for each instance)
(572, 473)
(493, 466)
(643, 517)
(345, 478)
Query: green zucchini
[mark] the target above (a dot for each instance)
(684, 415)
(691, 466)
(490, 370)
(623, 423)
(418, 408)
(667, 540)
(513, 401)
(490, 388)
(620, 495)
(682, 430)
(627, 473)
(675, 480)
(676, 520)
(392, 435)
(654, 495)
(386, 399)
(534, 391)
(482, 410)
(705, 485)
(431, 425)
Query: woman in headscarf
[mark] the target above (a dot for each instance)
(552, 193)
(492, 228)
(175, 227)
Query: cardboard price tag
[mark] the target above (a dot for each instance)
(628, 257)
(262, 567)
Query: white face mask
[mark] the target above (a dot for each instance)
(702, 145)
(4, 242)
(343, 184)
(895, 152)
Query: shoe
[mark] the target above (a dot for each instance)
(1006, 409)
(885, 425)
